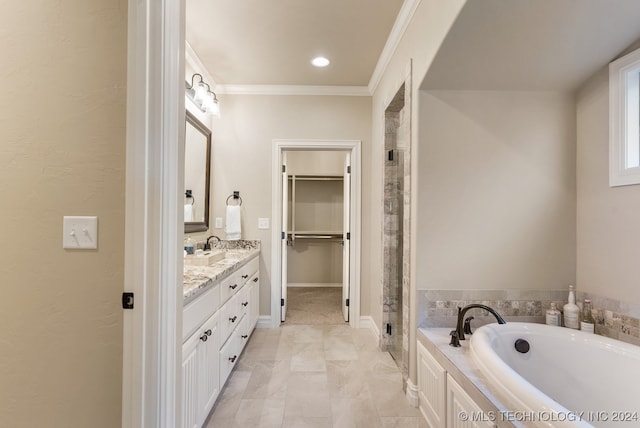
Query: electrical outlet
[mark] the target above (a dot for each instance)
(80, 233)
(263, 223)
(218, 222)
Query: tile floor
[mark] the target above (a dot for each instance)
(300, 376)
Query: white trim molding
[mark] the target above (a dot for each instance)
(152, 332)
(405, 16)
(193, 61)
(412, 394)
(350, 91)
(264, 321)
(367, 322)
(624, 120)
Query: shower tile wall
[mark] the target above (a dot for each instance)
(391, 228)
(396, 237)
(438, 308)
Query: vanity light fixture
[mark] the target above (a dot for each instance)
(202, 96)
(320, 62)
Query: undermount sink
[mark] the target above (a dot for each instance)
(206, 258)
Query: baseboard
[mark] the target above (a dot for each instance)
(367, 322)
(412, 394)
(313, 284)
(264, 321)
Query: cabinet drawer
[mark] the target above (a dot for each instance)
(230, 286)
(229, 355)
(230, 317)
(243, 300)
(249, 269)
(198, 311)
(244, 332)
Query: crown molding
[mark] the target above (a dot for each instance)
(350, 91)
(192, 59)
(405, 16)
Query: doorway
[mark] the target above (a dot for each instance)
(396, 229)
(316, 202)
(316, 209)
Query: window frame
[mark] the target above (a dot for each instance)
(624, 119)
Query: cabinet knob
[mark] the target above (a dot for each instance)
(255, 279)
(244, 336)
(233, 359)
(245, 276)
(204, 337)
(233, 287)
(208, 332)
(233, 319)
(245, 303)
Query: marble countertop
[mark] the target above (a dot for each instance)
(197, 279)
(460, 365)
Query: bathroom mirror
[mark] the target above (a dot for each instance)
(197, 162)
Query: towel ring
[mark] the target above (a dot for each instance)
(235, 195)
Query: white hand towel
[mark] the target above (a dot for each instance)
(188, 212)
(233, 222)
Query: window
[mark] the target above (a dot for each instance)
(624, 120)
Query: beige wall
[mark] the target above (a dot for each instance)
(417, 49)
(607, 217)
(497, 190)
(62, 152)
(315, 162)
(242, 152)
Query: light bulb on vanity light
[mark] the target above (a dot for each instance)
(200, 92)
(202, 96)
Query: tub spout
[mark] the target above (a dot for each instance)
(461, 311)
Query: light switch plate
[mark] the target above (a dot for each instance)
(218, 222)
(263, 223)
(80, 232)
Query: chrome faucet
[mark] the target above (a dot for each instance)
(458, 334)
(207, 245)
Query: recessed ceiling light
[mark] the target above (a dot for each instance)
(320, 61)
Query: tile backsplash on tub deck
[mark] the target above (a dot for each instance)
(438, 308)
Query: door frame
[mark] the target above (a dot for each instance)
(152, 330)
(354, 147)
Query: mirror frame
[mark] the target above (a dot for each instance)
(200, 226)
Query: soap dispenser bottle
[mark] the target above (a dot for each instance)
(189, 245)
(571, 310)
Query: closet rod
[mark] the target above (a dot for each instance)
(305, 236)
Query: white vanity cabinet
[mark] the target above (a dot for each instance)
(200, 373)
(443, 402)
(432, 383)
(462, 411)
(216, 327)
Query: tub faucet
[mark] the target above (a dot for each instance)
(207, 245)
(458, 333)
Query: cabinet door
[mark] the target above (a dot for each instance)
(208, 366)
(462, 411)
(190, 416)
(432, 378)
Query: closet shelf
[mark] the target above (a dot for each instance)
(316, 177)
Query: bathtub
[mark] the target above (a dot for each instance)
(567, 378)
